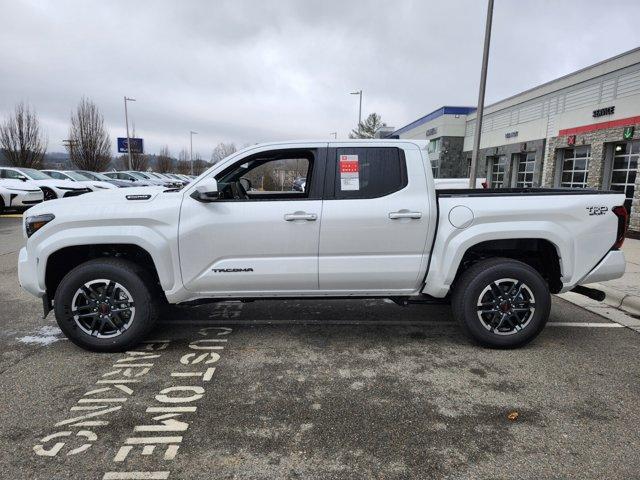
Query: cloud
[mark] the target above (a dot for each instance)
(249, 71)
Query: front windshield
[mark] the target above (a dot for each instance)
(96, 176)
(153, 175)
(34, 174)
(78, 177)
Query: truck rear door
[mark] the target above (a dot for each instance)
(375, 219)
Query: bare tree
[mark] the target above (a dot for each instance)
(369, 127)
(21, 139)
(222, 150)
(89, 145)
(184, 166)
(164, 162)
(199, 165)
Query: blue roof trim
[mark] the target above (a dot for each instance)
(433, 115)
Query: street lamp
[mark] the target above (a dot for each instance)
(480, 109)
(191, 134)
(126, 119)
(359, 92)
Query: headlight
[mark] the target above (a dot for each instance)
(35, 223)
(18, 190)
(100, 186)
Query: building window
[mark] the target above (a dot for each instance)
(575, 167)
(625, 166)
(497, 166)
(435, 168)
(525, 167)
(433, 146)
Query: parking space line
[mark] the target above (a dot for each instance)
(251, 322)
(585, 324)
(11, 215)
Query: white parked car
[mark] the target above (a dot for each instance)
(73, 176)
(18, 194)
(369, 223)
(444, 183)
(51, 188)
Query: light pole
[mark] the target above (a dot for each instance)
(359, 93)
(126, 119)
(480, 110)
(191, 133)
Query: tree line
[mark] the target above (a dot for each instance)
(24, 144)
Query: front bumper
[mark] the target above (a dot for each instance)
(612, 266)
(26, 199)
(28, 274)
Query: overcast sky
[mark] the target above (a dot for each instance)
(259, 70)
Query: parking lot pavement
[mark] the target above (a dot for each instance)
(306, 389)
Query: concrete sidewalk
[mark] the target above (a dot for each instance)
(624, 293)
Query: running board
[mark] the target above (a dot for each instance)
(422, 300)
(592, 293)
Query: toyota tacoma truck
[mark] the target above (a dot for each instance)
(367, 223)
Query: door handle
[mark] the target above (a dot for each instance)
(404, 214)
(310, 217)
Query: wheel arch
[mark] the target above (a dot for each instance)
(65, 259)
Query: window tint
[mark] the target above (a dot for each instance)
(369, 172)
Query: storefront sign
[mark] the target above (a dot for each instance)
(431, 131)
(627, 133)
(513, 134)
(601, 112)
(571, 140)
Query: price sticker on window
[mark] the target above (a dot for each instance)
(349, 172)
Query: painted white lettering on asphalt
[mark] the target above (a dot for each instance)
(98, 406)
(174, 403)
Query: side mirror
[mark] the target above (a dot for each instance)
(206, 192)
(24, 179)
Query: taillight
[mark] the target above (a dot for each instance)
(622, 214)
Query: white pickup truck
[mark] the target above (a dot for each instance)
(368, 223)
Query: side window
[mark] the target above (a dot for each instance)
(370, 172)
(268, 176)
(56, 175)
(11, 174)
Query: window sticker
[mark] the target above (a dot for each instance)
(349, 172)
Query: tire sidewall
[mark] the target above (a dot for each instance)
(93, 271)
(467, 310)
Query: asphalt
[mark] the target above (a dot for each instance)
(307, 389)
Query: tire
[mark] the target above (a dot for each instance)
(48, 194)
(120, 322)
(508, 316)
(1, 205)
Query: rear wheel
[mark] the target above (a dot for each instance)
(49, 194)
(105, 305)
(501, 302)
(1, 204)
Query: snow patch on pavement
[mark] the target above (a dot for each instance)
(44, 336)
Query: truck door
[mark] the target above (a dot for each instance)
(375, 220)
(261, 237)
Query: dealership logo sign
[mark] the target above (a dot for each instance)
(571, 140)
(627, 133)
(513, 134)
(431, 131)
(601, 112)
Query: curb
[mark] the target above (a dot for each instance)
(620, 300)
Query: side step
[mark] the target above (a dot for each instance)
(592, 293)
(421, 300)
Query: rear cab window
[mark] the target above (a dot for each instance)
(366, 172)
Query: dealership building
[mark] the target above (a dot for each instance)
(578, 131)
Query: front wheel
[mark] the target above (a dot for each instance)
(105, 305)
(48, 194)
(501, 303)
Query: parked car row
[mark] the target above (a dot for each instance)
(22, 187)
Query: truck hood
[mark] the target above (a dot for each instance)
(103, 203)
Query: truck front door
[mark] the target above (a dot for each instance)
(261, 237)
